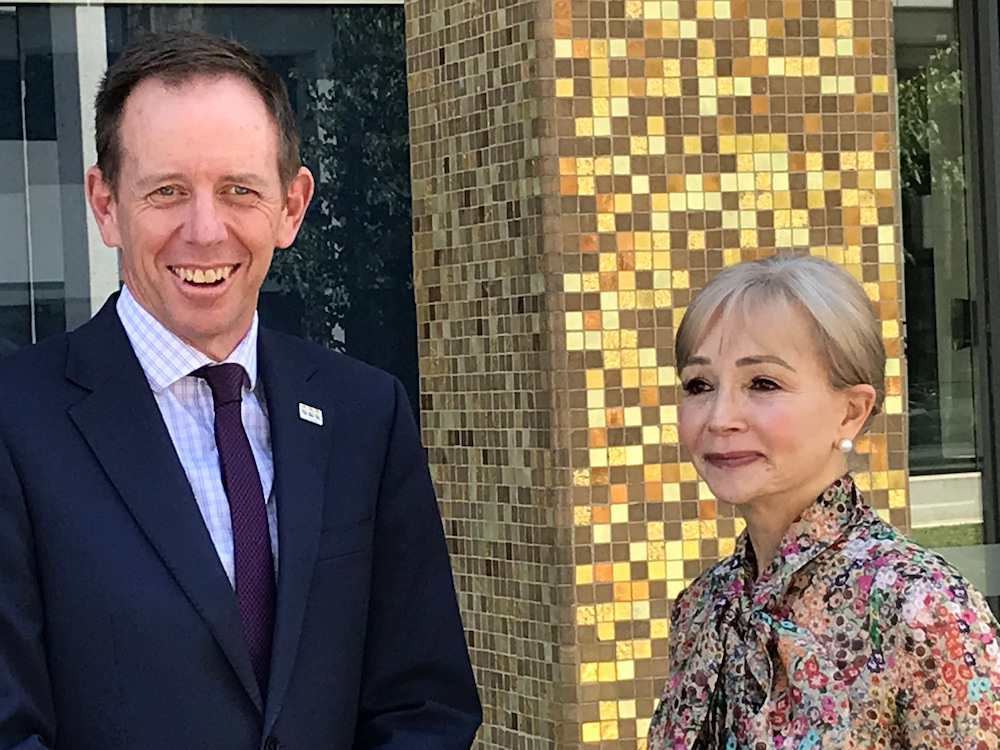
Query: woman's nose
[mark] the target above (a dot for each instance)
(727, 412)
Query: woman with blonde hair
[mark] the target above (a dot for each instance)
(826, 627)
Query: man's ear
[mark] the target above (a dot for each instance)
(103, 205)
(860, 399)
(300, 192)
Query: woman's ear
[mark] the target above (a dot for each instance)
(860, 399)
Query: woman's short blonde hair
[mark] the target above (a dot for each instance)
(847, 333)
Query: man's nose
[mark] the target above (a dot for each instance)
(204, 224)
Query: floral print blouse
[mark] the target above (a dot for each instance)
(853, 637)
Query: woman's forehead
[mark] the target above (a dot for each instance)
(770, 327)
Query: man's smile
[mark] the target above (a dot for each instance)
(203, 276)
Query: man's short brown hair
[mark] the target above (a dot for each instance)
(175, 57)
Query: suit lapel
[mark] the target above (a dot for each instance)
(301, 453)
(120, 421)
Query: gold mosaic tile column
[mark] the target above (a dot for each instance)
(480, 286)
(581, 168)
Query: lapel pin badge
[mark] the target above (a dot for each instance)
(311, 414)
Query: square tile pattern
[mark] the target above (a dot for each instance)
(694, 135)
(480, 287)
(580, 170)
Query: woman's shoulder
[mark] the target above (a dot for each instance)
(916, 583)
(936, 634)
(710, 592)
(894, 561)
(698, 608)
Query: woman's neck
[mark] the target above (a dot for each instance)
(769, 518)
(766, 525)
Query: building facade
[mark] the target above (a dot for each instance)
(548, 183)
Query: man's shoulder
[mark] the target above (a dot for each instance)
(323, 357)
(31, 363)
(99, 345)
(342, 371)
(35, 388)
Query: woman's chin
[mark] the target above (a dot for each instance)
(733, 498)
(729, 489)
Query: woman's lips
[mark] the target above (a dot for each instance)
(732, 459)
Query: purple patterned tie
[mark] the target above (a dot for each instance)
(255, 589)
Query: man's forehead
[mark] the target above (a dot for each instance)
(160, 104)
(193, 83)
(203, 126)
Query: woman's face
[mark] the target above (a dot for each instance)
(758, 414)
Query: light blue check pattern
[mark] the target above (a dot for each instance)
(186, 404)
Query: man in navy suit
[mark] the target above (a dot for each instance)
(181, 568)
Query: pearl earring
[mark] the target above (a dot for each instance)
(846, 445)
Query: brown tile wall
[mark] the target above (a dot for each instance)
(480, 287)
(580, 169)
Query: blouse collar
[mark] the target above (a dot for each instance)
(819, 526)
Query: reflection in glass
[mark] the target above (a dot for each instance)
(945, 481)
(351, 264)
(43, 246)
(15, 317)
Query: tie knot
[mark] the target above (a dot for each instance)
(225, 380)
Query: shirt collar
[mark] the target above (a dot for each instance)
(164, 357)
(819, 526)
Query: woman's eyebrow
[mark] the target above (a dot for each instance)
(760, 358)
(699, 361)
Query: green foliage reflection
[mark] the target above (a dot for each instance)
(356, 237)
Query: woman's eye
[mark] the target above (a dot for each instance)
(763, 384)
(694, 386)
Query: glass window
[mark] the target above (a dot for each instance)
(942, 296)
(944, 467)
(15, 310)
(938, 304)
(47, 268)
(32, 296)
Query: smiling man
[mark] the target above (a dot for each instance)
(213, 535)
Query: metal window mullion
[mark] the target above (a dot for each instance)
(22, 71)
(979, 39)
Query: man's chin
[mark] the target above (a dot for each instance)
(216, 342)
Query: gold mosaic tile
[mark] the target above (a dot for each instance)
(703, 134)
(480, 286)
(579, 171)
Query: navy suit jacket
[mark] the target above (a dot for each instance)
(118, 626)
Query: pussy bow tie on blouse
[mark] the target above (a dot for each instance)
(739, 634)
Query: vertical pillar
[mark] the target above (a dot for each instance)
(580, 170)
(480, 282)
(92, 61)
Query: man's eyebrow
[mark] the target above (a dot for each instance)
(244, 178)
(149, 181)
(241, 178)
(759, 358)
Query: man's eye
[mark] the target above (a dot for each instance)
(694, 386)
(763, 384)
(240, 190)
(167, 191)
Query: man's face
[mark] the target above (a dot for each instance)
(199, 207)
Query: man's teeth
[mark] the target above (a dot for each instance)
(203, 275)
